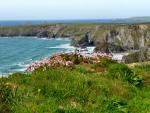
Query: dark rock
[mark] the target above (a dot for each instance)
(42, 34)
(84, 41)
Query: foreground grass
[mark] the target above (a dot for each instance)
(99, 88)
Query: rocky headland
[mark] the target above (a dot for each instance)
(105, 37)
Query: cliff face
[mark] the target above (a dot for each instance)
(106, 37)
(124, 38)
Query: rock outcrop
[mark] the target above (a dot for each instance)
(84, 41)
(124, 38)
(108, 37)
(139, 56)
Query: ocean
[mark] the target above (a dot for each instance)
(18, 52)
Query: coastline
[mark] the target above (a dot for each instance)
(84, 52)
(117, 35)
(84, 35)
(15, 55)
(46, 60)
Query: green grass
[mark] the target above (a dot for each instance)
(81, 89)
(143, 67)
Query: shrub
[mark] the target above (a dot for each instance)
(104, 63)
(119, 70)
(66, 57)
(76, 59)
(122, 71)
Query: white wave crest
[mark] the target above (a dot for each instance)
(62, 46)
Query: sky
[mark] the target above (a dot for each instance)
(72, 9)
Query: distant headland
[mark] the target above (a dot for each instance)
(131, 20)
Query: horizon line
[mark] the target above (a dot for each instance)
(67, 19)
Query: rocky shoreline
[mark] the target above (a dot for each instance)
(115, 38)
(72, 58)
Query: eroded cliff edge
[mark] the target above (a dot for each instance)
(115, 37)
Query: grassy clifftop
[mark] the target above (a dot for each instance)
(105, 87)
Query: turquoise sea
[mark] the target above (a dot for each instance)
(18, 52)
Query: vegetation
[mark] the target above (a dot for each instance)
(105, 87)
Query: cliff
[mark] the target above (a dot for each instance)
(106, 37)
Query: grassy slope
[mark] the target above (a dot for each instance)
(82, 89)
